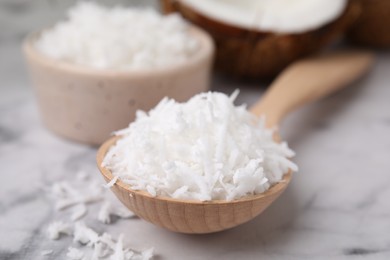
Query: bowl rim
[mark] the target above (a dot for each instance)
(104, 148)
(205, 52)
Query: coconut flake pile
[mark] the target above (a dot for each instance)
(73, 200)
(118, 38)
(102, 246)
(204, 149)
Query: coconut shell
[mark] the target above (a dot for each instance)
(372, 28)
(255, 54)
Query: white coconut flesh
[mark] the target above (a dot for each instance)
(278, 16)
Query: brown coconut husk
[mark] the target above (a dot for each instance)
(372, 28)
(255, 54)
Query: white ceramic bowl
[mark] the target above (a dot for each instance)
(87, 105)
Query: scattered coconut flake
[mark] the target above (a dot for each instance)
(100, 250)
(104, 213)
(75, 254)
(204, 149)
(46, 252)
(65, 203)
(66, 196)
(88, 35)
(105, 246)
(78, 212)
(107, 239)
(76, 195)
(107, 210)
(91, 198)
(147, 254)
(129, 255)
(84, 234)
(57, 228)
(119, 253)
(111, 182)
(121, 212)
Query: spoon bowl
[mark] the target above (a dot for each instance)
(186, 216)
(303, 82)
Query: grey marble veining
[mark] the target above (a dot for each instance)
(337, 207)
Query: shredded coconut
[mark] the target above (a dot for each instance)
(57, 228)
(75, 254)
(103, 246)
(118, 38)
(104, 213)
(119, 253)
(111, 182)
(121, 212)
(204, 149)
(87, 243)
(78, 212)
(66, 196)
(107, 210)
(84, 235)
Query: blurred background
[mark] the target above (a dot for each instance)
(20, 17)
(335, 208)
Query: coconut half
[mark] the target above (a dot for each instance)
(259, 38)
(279, 16)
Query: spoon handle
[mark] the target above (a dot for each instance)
(310, 79)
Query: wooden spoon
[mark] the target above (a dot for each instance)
(301, 83)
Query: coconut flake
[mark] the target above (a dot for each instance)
(91, 30)
(122, 212)
(107, 240)
(66, 196)
(57, 228)
(84, 234)
(100, 250)
(147, 254)
(204, 149)
(104, 246)
(104, 213)
(111, 182)
(78, 212)
(75, 254)
(66, 203)
(91, 245)
(119, 253)
(107, 210)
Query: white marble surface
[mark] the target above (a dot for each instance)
(337, 206)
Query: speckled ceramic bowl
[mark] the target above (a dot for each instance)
(86, 104)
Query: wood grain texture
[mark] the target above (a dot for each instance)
(190, 216)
